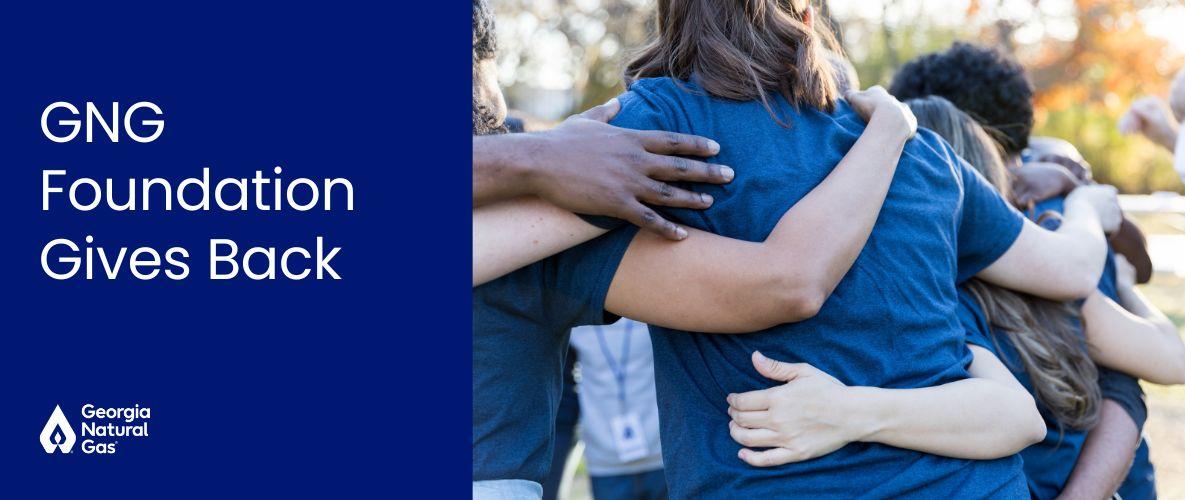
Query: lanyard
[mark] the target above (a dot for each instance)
(618, 367)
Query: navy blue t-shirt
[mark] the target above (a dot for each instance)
(890, 323)
(521, 323)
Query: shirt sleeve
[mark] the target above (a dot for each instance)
(974, 322)
(1125, 390)
(577, 280)
(602, 221)
(988, 225)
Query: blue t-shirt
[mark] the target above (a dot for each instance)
(520, 335)
(1048, 464)
(890, 322)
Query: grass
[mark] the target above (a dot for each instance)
(1166, 405)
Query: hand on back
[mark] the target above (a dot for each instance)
(1103, 200)
(877, 101)
(589, 167)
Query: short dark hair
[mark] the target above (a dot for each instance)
(485, 43)
(986, 83)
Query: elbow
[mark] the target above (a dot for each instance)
(809, 303)
(1088, 273)
(1085, 286)
(1082, 282)
(799, 301)
(1175, 374)
(1035, 429)
(1031, 427)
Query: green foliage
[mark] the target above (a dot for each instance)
(1132, 164)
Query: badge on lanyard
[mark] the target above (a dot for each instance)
(628, 435)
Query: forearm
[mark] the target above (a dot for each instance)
(1142, 342)
(1080, 247)
(702, 284)
(500, 171)
(1058, 265)
(515, 233)
(974, 418)
(1106, 456)
(1135, 302)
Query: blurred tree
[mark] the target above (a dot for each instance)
(575, 43)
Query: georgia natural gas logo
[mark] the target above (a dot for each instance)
(57, 434)
(101, 428)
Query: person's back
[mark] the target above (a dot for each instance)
(890, 323)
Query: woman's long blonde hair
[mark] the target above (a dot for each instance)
(1043, 332)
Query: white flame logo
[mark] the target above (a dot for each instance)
(57, 432)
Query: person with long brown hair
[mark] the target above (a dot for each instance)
(750, 75)
(1044, 342)
(1039, 340)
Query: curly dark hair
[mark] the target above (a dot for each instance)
(986, 83)
(485, 44)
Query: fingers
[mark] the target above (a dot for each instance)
(674, 168)
(671, 143)
(646, 218)
(749, 401)
(767, 458)
(752, 438)
(749, 419)
(661, 193)
(604, 112)
(777, 370)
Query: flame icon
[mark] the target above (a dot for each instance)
(57, 432)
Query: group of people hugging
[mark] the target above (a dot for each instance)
(850, 293)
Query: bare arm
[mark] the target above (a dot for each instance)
(813, 414)
(510, 235)
(720, 285)
(1142, 342)
(952, 419)
(712, 283)
(1106, 456)
(1063, 264)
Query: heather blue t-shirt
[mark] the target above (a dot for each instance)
(890, 323)
(1048, 463)
(521, 323)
